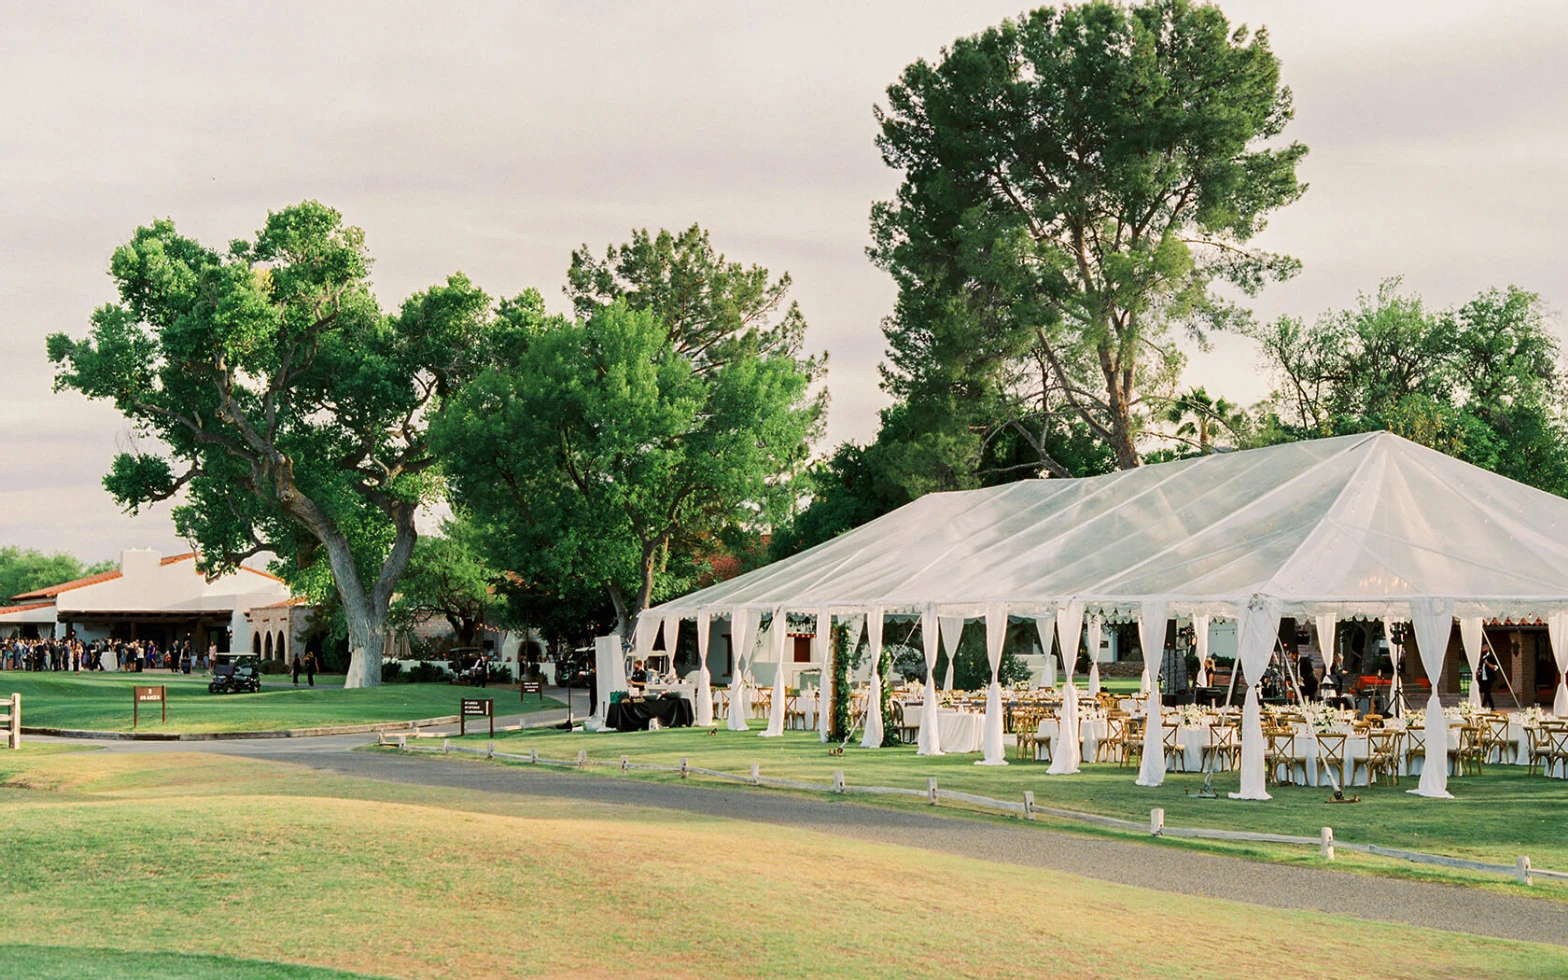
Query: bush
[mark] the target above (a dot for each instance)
(390, 669)
(274, 667)
(427, 672)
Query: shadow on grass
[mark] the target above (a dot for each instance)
(86, 963)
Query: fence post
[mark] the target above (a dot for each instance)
(446, 746)
(756, 774)
(683, 768)
(402, 743)
(16, 721)
(1157, 821)
(838, 780)
(1326, 843)
(931, 790)
(533, 754)
(582, 758)
(1522, 867)
(1028, 804)
(625, 763)
(490, 750)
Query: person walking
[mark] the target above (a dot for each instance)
(1486, 676)
(310, 669)
(296, 670)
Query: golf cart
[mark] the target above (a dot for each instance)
(235, 675)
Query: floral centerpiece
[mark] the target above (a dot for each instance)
(1532, 716)
(1191, 716)
(1322, 716)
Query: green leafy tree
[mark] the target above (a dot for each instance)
(607, 452)
(1481, 381)
(1075, 183)
(28, 569)
(288, 408)
(1196, 419)
(448, 577)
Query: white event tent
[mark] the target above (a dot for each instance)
(1364, 526)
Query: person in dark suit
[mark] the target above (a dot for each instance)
(310, 669)
(1309, 678)
(1486, 676)
(296, 670)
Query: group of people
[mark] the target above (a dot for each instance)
(71, 654)
(308, 664)
(1332, 685)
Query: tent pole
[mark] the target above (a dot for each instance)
(1496, 656)
(1235, 668)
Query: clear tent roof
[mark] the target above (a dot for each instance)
(1357, 525)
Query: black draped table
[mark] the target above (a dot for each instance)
(633, 714)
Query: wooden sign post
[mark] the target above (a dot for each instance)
(477, 708)
(532, 687)
(147, 695)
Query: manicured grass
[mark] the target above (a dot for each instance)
(102, 702)
(1494, 818)
(93, 963)
(192, 854)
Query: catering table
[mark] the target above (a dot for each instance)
(961, 731)
(633, 714)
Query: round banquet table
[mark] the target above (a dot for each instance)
(1091, 732)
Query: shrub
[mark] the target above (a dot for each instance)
(390, 669)
(427, 672)
(274, 667)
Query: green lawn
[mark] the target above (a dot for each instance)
(102, 702)
(1494, 818)
(192, 854)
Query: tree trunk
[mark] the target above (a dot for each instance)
(623, 615)
(366, 634)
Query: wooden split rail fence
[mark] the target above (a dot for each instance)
(11, 720)
(1522, 870)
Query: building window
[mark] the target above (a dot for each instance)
(802, 649)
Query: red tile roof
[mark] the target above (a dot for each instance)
(27, 608)
(54, 590)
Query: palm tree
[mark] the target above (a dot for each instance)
(1196, 416)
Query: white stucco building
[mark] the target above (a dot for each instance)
(150, 597)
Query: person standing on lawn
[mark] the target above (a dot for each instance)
(310, 669)
(1486, 676)
(296, 670)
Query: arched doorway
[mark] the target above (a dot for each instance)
(282, 648)
(255, 644)
(266, 650)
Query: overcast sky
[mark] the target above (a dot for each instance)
(492, 138)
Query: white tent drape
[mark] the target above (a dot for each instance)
(1200, 639)
(930, 640)
(743, 633)
(1325, 624)
(1395, 652)
(1258, 628)
(1557, 632)
(873, 739)
(952, 631)
(822, 644)
(704, 679)
(643, 634)
(995, 637)
(780, 644)
(1093, 641)
(1470, 639)
(672, 635)
(1046, 627)
(1068, 752)
(1433, 622)
(1151, 633)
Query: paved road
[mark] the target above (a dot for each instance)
(1170, 869)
